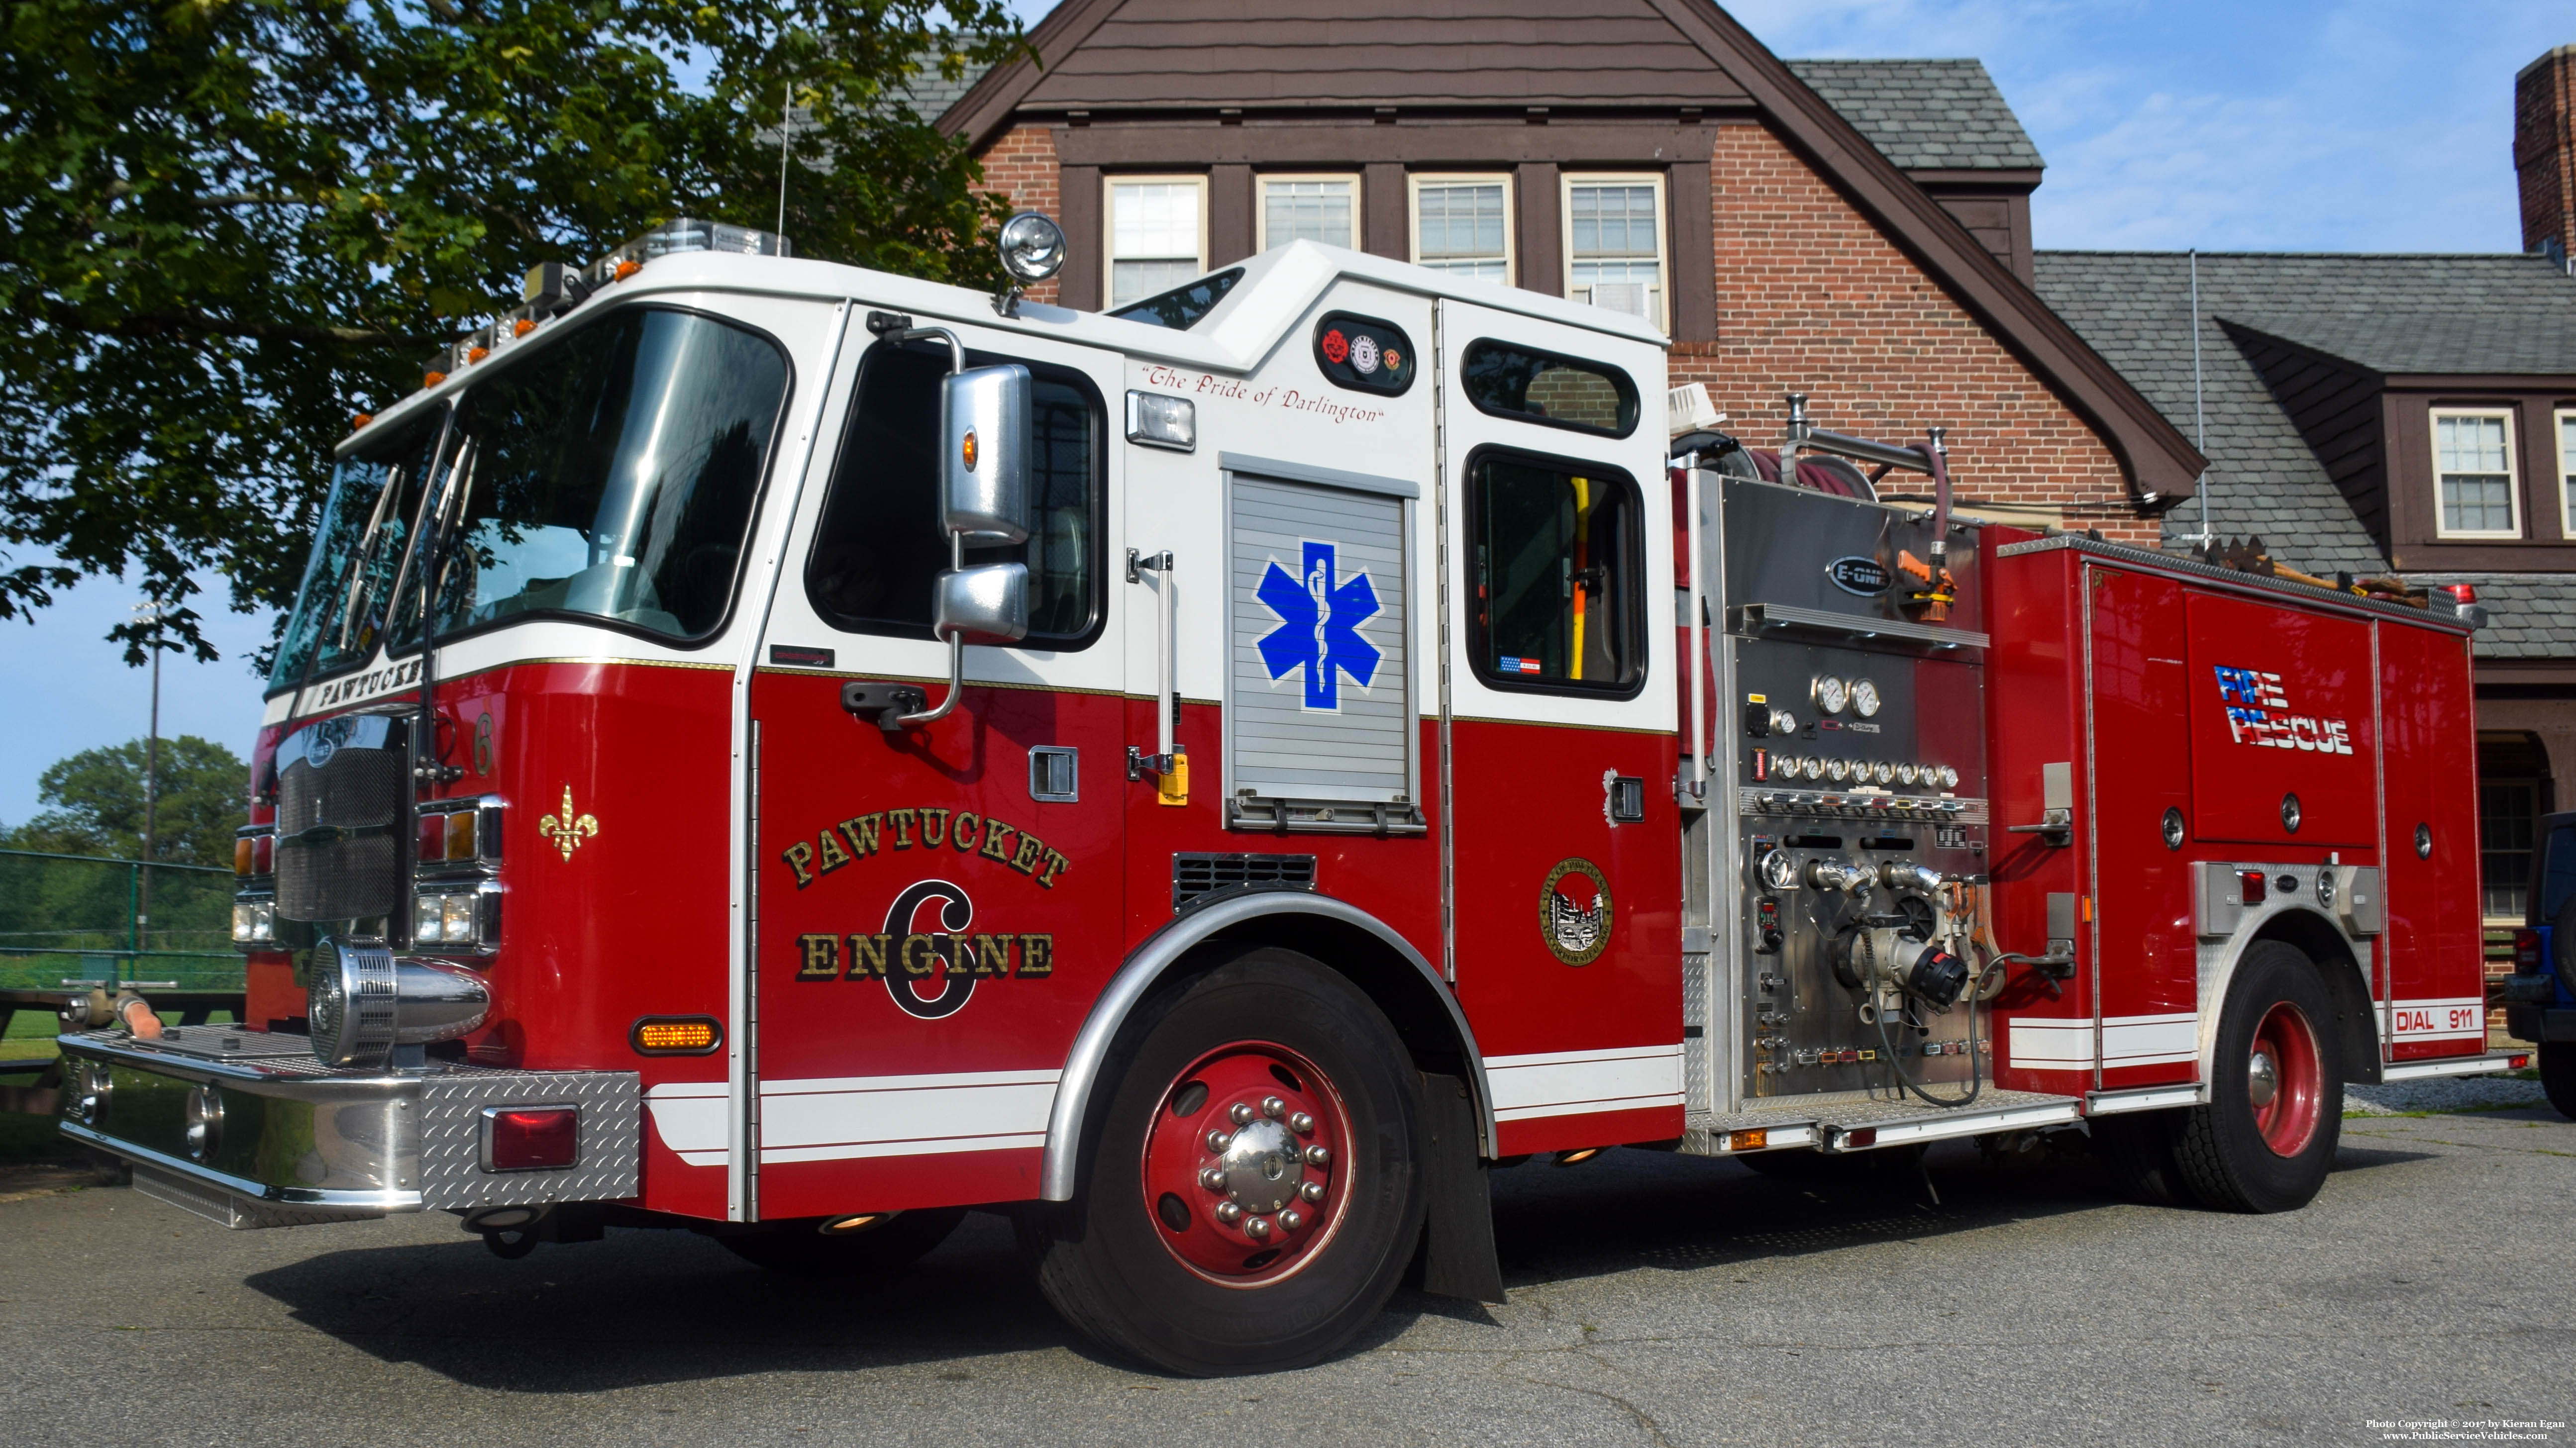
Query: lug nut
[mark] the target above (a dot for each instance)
(1302, 1124)
(1213, 1179)
(1313, 1192)
(1216, 1141)
(1228, 1213)
(1317, 1156)
(1241, 1113)
(1273, 1107)
(1291, 1219)
(1257, 1228)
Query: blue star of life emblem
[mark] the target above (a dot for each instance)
(1319, 626)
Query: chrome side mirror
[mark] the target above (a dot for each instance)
(986, 605)
(986, 436)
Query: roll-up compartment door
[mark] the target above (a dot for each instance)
(1319, 706)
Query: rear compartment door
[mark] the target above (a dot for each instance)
(2433, 983)
(2281, 725)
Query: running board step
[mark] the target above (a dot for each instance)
(2487, 1064)
(1840, 1126)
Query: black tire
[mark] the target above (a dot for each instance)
(796, 1249)
(1102, 1259)
(2136, 1152)
(2221, 1151)
(2558, 1075)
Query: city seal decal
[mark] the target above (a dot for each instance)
(1574, 911)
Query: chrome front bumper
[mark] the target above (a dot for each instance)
(300, 1143)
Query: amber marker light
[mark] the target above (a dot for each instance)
(477, 354)
(1754, 1140)
(522, 327)
(242, 855)
(432, 379)
(361, 420)
(460, 835)
(628, 268)
(677, 1035)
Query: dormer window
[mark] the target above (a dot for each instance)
(2473, 473)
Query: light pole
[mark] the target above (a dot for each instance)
(150, 611)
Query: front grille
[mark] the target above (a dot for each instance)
(339, 855)
(1194, 875)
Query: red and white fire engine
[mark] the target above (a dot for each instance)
(1220, 775)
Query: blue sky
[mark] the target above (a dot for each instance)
(2283, 126)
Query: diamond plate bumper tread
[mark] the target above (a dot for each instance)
(451, 1138)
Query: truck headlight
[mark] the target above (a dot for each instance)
(364, 1003)
(254, 920)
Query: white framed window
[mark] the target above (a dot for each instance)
(1310, 208)
(2473, 475)
(1157, 229)
(2567, 475)
(1614, 244)
(1462, 225)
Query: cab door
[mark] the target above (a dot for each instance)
(936, 906)
(1565, 861)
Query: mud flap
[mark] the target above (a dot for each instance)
(1460, 1260)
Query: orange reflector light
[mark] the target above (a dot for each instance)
(851, 1226)
(522, 327)
(243, 852)
(361, 420)
(477, 354)
(432, 379)
(460, 835)
(677, 1035)
(541, 1138)
(627, 269)
(1754, 1140)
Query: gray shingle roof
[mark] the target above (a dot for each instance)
(2398, 313)
(932, 94)
(1925, 114)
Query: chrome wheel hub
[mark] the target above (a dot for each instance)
(1263, 1166)
(2262, 1080)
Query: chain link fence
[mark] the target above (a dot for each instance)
(75, 921)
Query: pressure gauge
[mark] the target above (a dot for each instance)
(1949, 777)
(1882, 771)
(1778, 871)
(1830, 694)
(1864, 698)
(1812, 767)
(1783, 723)
(1906, 774)
(1840, 769)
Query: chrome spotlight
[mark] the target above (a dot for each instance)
(1032, 248)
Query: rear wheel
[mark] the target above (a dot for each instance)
(1252, 1191)
(2266, 1140)
(2558, 1075)
(803, 1249)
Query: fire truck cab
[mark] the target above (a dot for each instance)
(1222, 774)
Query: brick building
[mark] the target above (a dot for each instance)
(1857, 231)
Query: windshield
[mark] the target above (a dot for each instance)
(366, 524)
(613, 476)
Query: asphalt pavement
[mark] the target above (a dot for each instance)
(1654, 1299)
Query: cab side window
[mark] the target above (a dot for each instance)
(1559, 577)
(879, 546)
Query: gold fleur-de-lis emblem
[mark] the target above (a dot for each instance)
(567, 829)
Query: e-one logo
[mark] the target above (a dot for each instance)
(2258, 713)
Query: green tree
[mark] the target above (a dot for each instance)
(96, 804)
(227, 225)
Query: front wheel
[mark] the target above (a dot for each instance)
(1253, 1187)
(2558, 1075)
(2266, 1139)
